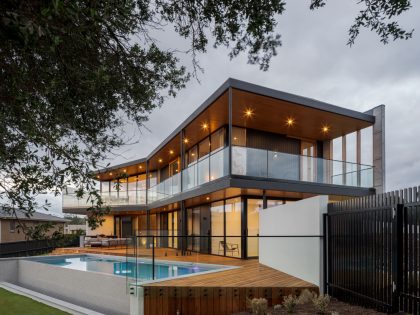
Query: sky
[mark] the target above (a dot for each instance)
(314, 61)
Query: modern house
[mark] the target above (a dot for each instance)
(11, 225)
(244, 149)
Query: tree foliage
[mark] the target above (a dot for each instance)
(73, 72)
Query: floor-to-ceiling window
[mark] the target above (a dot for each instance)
(233, 211)
(254, 206)
(217, 227)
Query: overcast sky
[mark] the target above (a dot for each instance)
(315, 62)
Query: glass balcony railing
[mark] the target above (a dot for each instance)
(165, 189)
(279, 165)
(247, 162)
(205, 170)
(114, 198)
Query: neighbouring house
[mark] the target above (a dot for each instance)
(74, 228)
(245, 149)
(11, 230)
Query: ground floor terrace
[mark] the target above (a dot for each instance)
(223, 292)
(219, 223)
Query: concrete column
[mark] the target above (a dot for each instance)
(379, 182)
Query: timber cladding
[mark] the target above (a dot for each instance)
(210, 300)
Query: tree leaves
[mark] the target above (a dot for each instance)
(377, 16)
(73, 72)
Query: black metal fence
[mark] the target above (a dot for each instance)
(34, 247)
(373, 253)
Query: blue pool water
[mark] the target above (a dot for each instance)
(142, 270)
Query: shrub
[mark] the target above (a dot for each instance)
(306, 296)
(321, 303)
(259, 306)
(277, 307)
(290, 303)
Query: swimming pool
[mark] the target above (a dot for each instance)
(141, 270)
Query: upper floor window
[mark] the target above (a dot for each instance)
(218, 139)
(239, 136)
(12, 226)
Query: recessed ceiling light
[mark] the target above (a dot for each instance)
(248, 112)
(186, 140)
(171, 152)
(110, 174)
(140, 166)
(160, 160)
(98, 176)
(325, 129)
(205, 126)
(290, 121)
(207, 198)
(124, 171)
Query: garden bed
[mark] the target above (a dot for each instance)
(340, 308)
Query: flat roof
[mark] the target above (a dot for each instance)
(256, 89)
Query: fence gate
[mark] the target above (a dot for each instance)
(373, 251)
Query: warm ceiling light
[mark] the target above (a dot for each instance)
(140, 167)
(124, 171)
(290, 122)
(98, 176)
(325, 129)
(110, 174)
(235, 138)
(207, 198)
(186, 140)
(193, 154)
(171, 151)
(160, 160)
(204, 126)
(249, 112)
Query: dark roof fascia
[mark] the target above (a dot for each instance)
(300, 100)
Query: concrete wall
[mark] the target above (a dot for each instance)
(9, 270)
(379, 171)
(299, 256)
(101, 292)
(107, 227)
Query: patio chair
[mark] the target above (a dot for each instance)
(229, 248)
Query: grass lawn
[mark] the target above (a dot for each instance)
(12, 304)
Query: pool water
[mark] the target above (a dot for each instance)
(140, 270)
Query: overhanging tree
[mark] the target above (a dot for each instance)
(72, 72)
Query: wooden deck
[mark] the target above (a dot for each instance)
(220, 293)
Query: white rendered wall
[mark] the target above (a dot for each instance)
(99, 291)
(107, 227)
(298, 256)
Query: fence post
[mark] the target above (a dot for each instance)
(153, 257)
(397, 256)
(326, 254)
